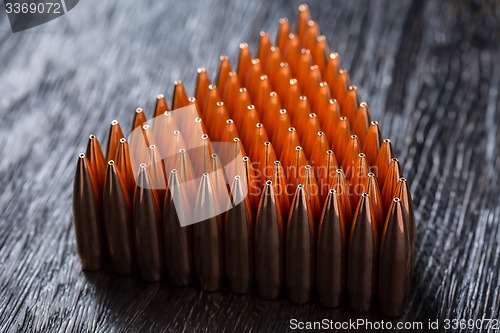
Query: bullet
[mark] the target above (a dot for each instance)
(262, 95)
(312, 33)
(291, 53)
(220, 184)
(372, 143)
(383, 160)
(117, 209)
(266, 162)
(331, 253)
(325, 171)
(302, 18)
(202, 161)
(185, 174)
(254, 73)
(321, 103)
(230, 132)
(403, 193)
(269, 245)
(139, 119)
(239, 237)
(376, 200)
(178, 239)
(281, 189)
(179, 98)
(192, 101)
(292, 99)
(161, 106)
(340, 185)
(351, 104)
(320, 53)
(395, 259)
(164, 126)
(202, 84)
(210, 104)
(282, 80)
(296, 167)
(156, 172)
(362, 258)
(124, 166)
(361, 122)
(218, 121)
(313, 79)
(312, 191)
(290, 143)
(244, 63)
(148, 134)
(340, 87)
(147, 228)
(331, 71)
(241, 109)
(115, 134)
(208, 238)
(280, 131)
(249, 128)
(272, 64)
(342, 139)
(271, 113)
(283, 32)
(87, 216)
(301, 116)
(304, 62)
(230, 92)
(264, 48)
(319, 149)
(224, 70)
(258, 137)
(96, 161)
(390, 184)
(331, 121)
(310, 134)
(300, 249)
(239, 149)
(359, 180)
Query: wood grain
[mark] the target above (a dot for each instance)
(430, 71)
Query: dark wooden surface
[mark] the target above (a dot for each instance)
(430, 71)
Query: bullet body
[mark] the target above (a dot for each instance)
(87, 217)
(300, 249)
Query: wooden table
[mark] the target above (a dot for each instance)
(430, 71)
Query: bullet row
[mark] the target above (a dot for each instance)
(313, 206)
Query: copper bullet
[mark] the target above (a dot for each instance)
(178, 239)
(271, 112)
(192, 101)
(264, 48)
(266, 162)
(147, 228)
(139, 118)
(262, 96)
(291, 53)
(244, 63)
(325, 170)
(288, 148)
(303, 17)
(249, 127)
(359, 180)
(300, 249)
(230, 92)
(273, 62)
(351, 104)
(239, 238)
(185, 172)
(220, 185)
(304, 63)
(210, 104)
(361, 122)
(403, 193)
(384, 157)
(320, 53)
(362, 258)
(258, 137)
(281, 189)
(390, 184)
(253, 78)
(292, 99)
(342, 139)
(313, 79)
(180, 97)
(242, 103)
(96, 161)
(149, 135)
(208, 238)
(321, 101)
(160, 108)
(269, 245)
(376, 200)
(87, 216)
(340, 185)
(156, 173)
(319, 149)
(372, 143)
(117, 209)
(115, 134)
(312, 191)
(202, 84)
(239, 147)
(230, 132)
(301, 116)
(280, 131)
(295, 169)
(124, 166)
(281, 81)
(164, 126)
(310, 132)
(283, 32)
(311, 35)
(202, 161)
(331, 253)
(351, 156)
(252, 182)
(395, 259)
(224, 70)
(340, 87)
(331, 71)
(331, 121)
(218, 121)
